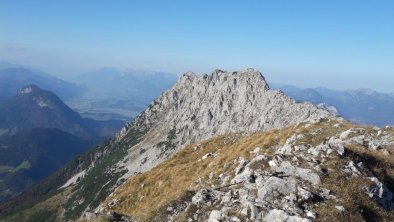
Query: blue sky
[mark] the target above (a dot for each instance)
(339, 44)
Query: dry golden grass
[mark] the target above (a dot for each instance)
(146, 193)
(53, 203)
(98, 219)
(149, 193)
(359, 207)
(323, 131)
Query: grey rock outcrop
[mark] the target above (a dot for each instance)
(200, 107)
(276, 215)
(279, 189)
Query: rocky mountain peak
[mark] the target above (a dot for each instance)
(32, 94)
(42, 108)
(28, 89)
(198, 107)
(188, 76)
(219, 76)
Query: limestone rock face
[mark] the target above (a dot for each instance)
(199, 107)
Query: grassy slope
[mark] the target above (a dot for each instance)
(147, 195)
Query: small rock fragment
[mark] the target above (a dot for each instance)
(340, 208)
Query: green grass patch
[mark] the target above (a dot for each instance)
(43, 216)
(25, 165)
(6, 169)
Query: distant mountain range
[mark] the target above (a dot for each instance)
(110, 93)
(12, 78)
(362, 106)
(33, 107)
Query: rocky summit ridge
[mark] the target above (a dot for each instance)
(200, 107)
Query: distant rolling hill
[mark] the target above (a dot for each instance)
(34, 107)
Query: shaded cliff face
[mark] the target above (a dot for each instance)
(199, 107)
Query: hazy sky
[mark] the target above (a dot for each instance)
(339, 44)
